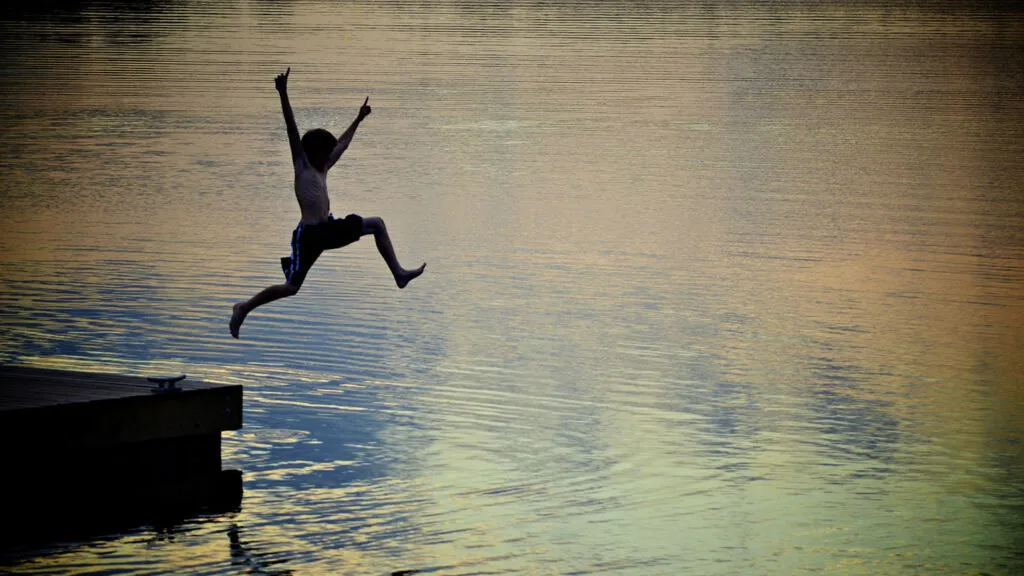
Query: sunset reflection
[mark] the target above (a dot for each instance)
(711, 289)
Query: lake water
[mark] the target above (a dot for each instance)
(718, 288)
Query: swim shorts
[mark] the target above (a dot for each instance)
(310, 240)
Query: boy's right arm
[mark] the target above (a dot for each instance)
(294, 142)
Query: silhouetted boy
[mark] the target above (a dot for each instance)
(319, 230)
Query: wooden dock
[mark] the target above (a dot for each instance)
(79, 446)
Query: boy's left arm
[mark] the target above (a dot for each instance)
(346, 138)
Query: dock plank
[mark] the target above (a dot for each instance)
(21, 382)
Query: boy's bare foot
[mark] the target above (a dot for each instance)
(408, 275)
(237, 317)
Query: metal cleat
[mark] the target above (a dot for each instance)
(166, 384)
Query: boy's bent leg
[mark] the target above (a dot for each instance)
(374, 225)
(265, 296)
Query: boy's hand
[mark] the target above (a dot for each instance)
(281, 82)
(365, 109)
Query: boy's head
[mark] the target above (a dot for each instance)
(318, 144)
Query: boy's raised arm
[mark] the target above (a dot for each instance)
(346, 138)
(281, 83)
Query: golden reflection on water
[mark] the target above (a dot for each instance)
(717, 289)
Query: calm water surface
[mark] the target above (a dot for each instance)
(721, 289)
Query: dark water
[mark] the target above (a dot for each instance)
(728, 288)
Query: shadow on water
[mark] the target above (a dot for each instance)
(125, 22)
(855, 425)
(1006, 498)
(81, 510)
(123, 10)
(83, 515)
(249, 556)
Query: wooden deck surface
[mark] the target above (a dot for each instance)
(24, 387)
(80, 408)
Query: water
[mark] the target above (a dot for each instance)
(730, 288)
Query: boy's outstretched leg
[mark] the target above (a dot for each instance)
(267, 295)
(374, 225)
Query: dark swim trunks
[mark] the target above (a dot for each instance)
(310, 240)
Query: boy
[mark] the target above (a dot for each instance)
(318, 230)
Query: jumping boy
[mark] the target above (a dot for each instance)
(318, 230)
